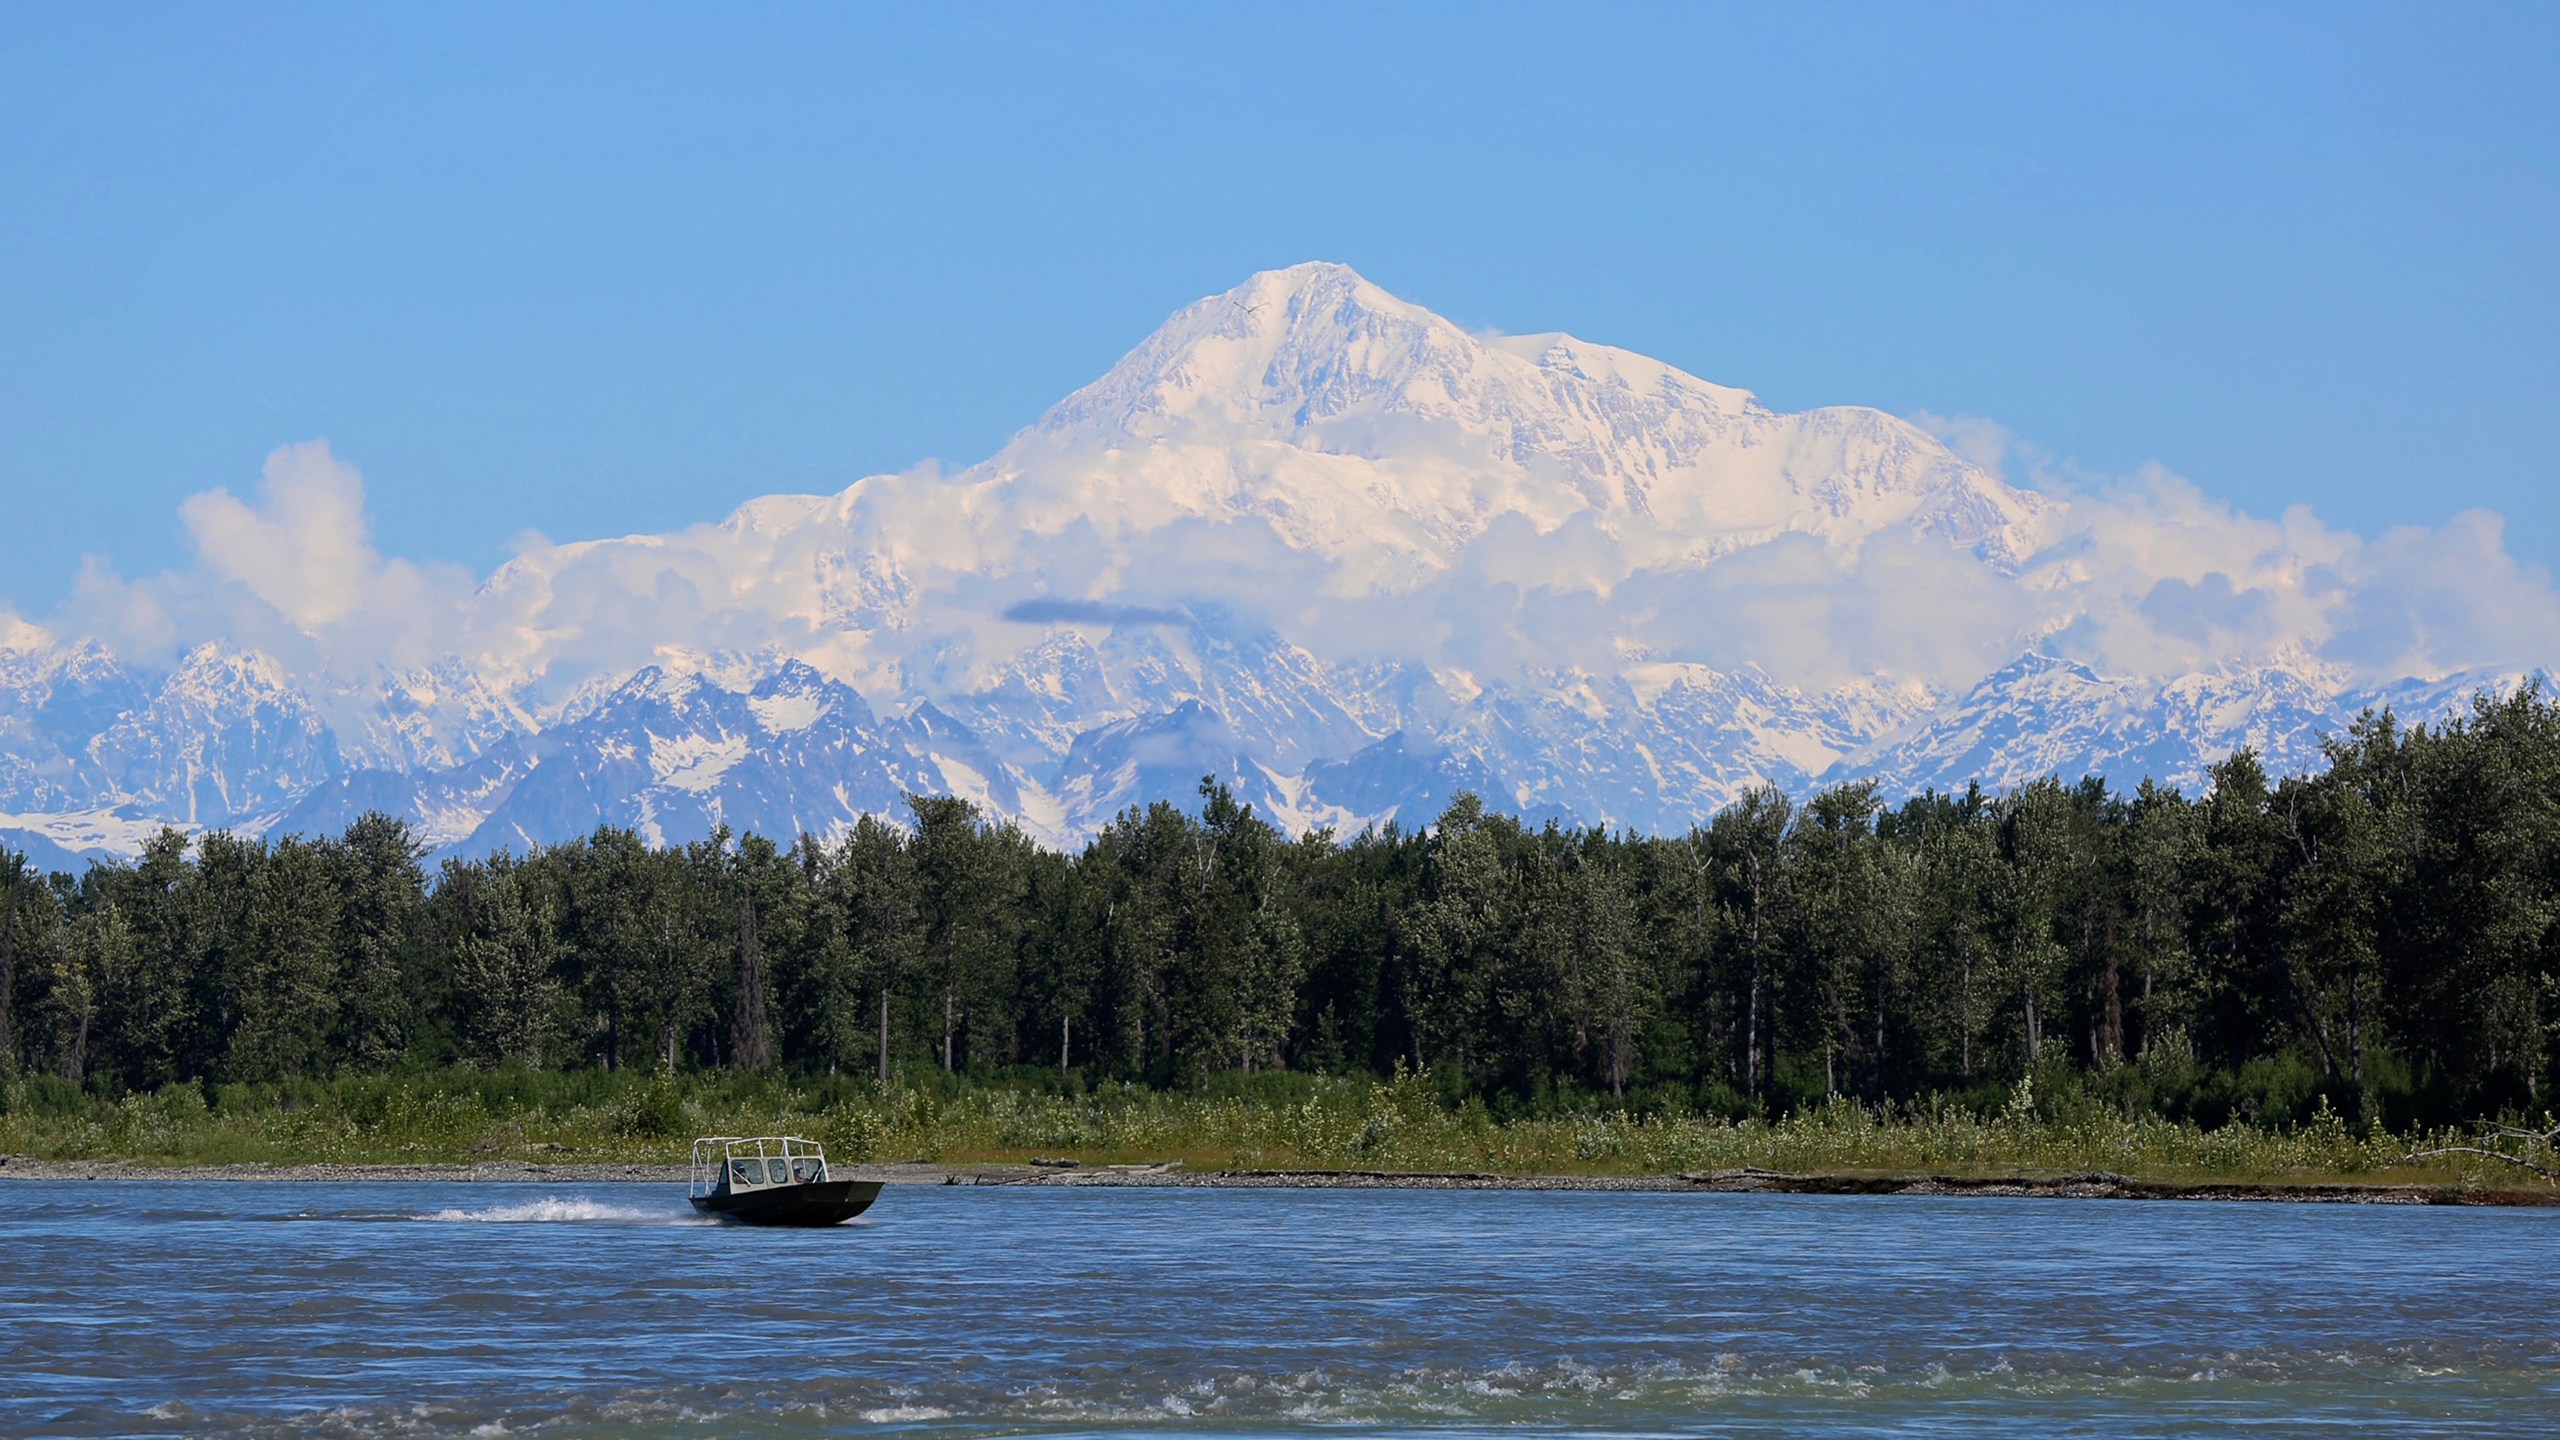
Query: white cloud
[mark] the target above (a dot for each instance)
(2419, 601)
(2149, 576)
(900, 584)
(17, 634)
(302, 548)
(291, 572)
(1979, 441)
(134, 620)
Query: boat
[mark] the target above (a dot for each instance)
(773, 1180)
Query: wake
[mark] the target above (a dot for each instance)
(552, 1210)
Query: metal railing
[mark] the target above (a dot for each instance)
(749, 1162)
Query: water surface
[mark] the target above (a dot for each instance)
(376, 1309)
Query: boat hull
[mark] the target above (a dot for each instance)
(822, 1202)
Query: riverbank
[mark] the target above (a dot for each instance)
(1287, 1130)
(2087, 1186)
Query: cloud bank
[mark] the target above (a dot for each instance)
(2149, 577)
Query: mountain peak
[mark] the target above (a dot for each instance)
(217, 669)
(1312, 286)
(1283, 345)
(1365, 428)
(1310, 343)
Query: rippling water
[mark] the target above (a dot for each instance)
(213, 1308)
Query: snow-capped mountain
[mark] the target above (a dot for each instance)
(225, 740)
(2040, 715)
(673, 757)
(1308, 538)
(53, 701)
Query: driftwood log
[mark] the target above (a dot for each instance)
(2497, 1132)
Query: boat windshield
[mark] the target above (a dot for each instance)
(727, 1163)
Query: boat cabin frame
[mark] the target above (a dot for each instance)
(736, 1164)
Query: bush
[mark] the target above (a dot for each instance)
(657, 1112)
(2055, 1123)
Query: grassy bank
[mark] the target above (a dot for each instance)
(1272, 1122)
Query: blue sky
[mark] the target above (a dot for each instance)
(590, 271)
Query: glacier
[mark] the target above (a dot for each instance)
(1320, 543)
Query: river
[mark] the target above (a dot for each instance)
(212, 1308)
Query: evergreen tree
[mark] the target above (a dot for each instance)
(2385, 933)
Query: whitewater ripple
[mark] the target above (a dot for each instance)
(553, 1210)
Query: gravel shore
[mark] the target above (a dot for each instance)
(1065, 1175)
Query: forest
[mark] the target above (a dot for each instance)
(2376, 941)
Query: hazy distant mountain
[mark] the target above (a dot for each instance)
(1308, 538)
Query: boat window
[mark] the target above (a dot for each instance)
(777, 1170)
(744, 1176)
(808, 1169)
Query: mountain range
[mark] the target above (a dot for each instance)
(1333, 549)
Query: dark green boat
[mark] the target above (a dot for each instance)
(773, 1180)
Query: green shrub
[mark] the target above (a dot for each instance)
(2055, 1123)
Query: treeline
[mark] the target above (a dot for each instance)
(2379, 938)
